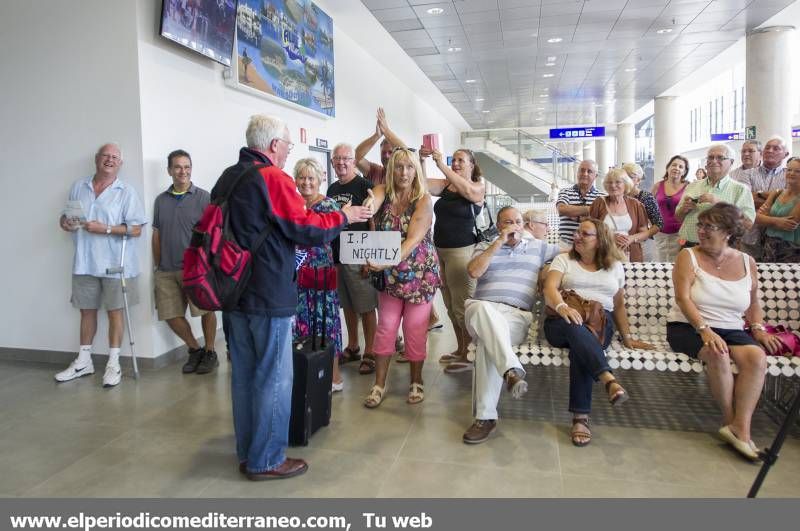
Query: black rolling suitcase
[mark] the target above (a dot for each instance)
(313, 376)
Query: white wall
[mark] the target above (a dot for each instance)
(99, 71)
(70, 83)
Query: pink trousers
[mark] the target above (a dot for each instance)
(415, 326)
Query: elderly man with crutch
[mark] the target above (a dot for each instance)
(102, 213)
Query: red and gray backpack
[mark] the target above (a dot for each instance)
(216, 269)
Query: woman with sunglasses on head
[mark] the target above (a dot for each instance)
(668, 193)
(780, 214)
(715, 284)
(648, 201)
(593, 269)
(461, 194)
(404, 205)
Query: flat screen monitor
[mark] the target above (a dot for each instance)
(205, 26)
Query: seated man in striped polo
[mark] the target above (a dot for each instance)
(499, 315)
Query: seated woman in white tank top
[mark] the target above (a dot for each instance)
(715, 285)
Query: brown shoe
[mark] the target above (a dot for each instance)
(288, 469)
(515, 383)
(479, 431)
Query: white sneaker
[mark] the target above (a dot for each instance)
(112, 376)
(75, 371)
(337, 387)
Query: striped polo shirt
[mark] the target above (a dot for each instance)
(726, 190)
(512, 273)
(572, 196)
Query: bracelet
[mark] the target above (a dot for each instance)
(702, 327)
(559, 305)
(627, 336)
(758, 326)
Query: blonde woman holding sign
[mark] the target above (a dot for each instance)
(404, 205)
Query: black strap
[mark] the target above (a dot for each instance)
(222, 200)
(475, 217)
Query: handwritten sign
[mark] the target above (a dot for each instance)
(377, 247)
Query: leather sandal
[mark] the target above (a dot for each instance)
(375, 397)
(620, 396)
(350, 354)
(580, 438)
(416, 394)
(367, 365)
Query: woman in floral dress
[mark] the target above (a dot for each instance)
(308, 176)
(404, 205)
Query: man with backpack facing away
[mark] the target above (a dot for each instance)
(265, 201)
(175, 212)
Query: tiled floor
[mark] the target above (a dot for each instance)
(170, 435)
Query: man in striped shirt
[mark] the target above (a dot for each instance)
(499, 315)
(574, 202)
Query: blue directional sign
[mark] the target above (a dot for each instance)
(577, 132)
(721, 137)
(795, 133)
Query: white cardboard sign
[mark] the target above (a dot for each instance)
(377, 247)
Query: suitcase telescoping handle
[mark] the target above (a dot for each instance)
(324, 306)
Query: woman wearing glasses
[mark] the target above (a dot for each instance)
(780, 214)
(404, 205)
(715, 284)
(593, 269)
(461, 194)
(668, 193)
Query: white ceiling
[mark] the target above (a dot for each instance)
(586, 78)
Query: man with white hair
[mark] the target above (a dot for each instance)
(573, 202)
(535, 224)
(265, 206)
(110, 209)
(717, 187)
(763, 179)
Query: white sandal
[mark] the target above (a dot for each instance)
(375, 397)
(416, 394)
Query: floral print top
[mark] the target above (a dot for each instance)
(416, 278)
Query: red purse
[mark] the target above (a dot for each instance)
(317, 278)
(789, 340)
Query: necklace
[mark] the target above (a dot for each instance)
(717, 263)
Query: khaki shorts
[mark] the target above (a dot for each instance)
(355, 292)
(171, 302)
(92, 293)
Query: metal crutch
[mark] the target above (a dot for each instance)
(121, 271)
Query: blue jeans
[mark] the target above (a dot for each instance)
(586, 356)
(261, 387)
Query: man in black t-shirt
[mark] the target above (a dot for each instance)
(356, 294)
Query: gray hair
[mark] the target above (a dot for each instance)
(116, 145)
(344, 145)
(593, 163)
(262, 130)
(753, 142)
(537, 214)
(633, 168)
(729, 152)
(779, 139)
(308, 164)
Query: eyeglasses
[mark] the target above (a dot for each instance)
(536, 222)
(717, 158)
(289, 144)
(342, 159)
(584, 234)
(115, 158)
(707, 227)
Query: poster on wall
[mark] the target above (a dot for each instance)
(284, 49)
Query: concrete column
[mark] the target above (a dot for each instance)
(589, 150)
(771, 99)
(667, 131)
(626, 144)
(604, 151)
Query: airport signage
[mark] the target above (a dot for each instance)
(577, 132)
(795, 133)
(721, 137)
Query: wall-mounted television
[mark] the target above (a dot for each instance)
(205, 26)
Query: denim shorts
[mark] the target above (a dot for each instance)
(682, 337)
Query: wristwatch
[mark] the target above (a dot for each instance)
(108, 229)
